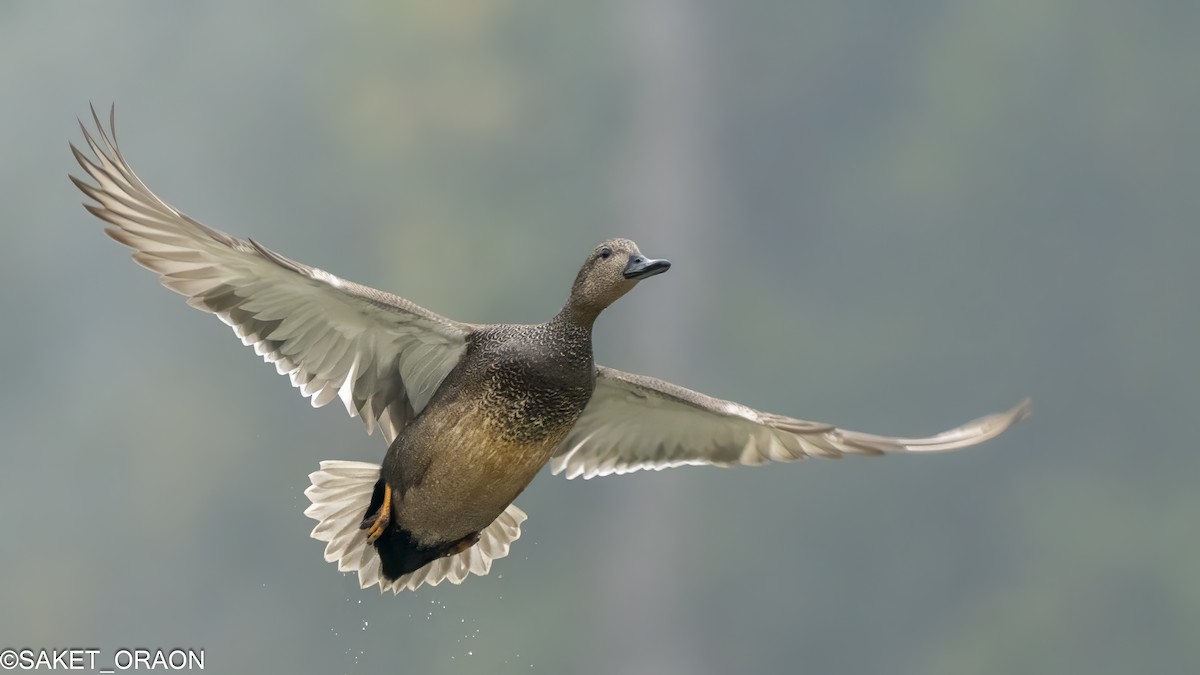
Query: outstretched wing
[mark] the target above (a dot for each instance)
(637, 422)
(381, 354)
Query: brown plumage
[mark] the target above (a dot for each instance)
(470, 412)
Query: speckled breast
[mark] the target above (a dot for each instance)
(513, 404)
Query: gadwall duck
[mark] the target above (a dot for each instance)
(470, 412)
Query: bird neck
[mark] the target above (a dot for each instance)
(572, 337)
(576, 315)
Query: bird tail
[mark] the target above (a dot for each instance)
(341, 493)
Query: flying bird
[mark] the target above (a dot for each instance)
(470, 412)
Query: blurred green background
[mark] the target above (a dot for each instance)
(892, 216)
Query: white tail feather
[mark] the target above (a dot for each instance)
(340, 494)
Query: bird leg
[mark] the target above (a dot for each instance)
(376, 523)
(462, 544)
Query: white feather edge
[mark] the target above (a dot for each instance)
(340, 494)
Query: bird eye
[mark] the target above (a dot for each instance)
(605, 253)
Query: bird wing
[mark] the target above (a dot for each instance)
(381, 354)
(636, 422)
